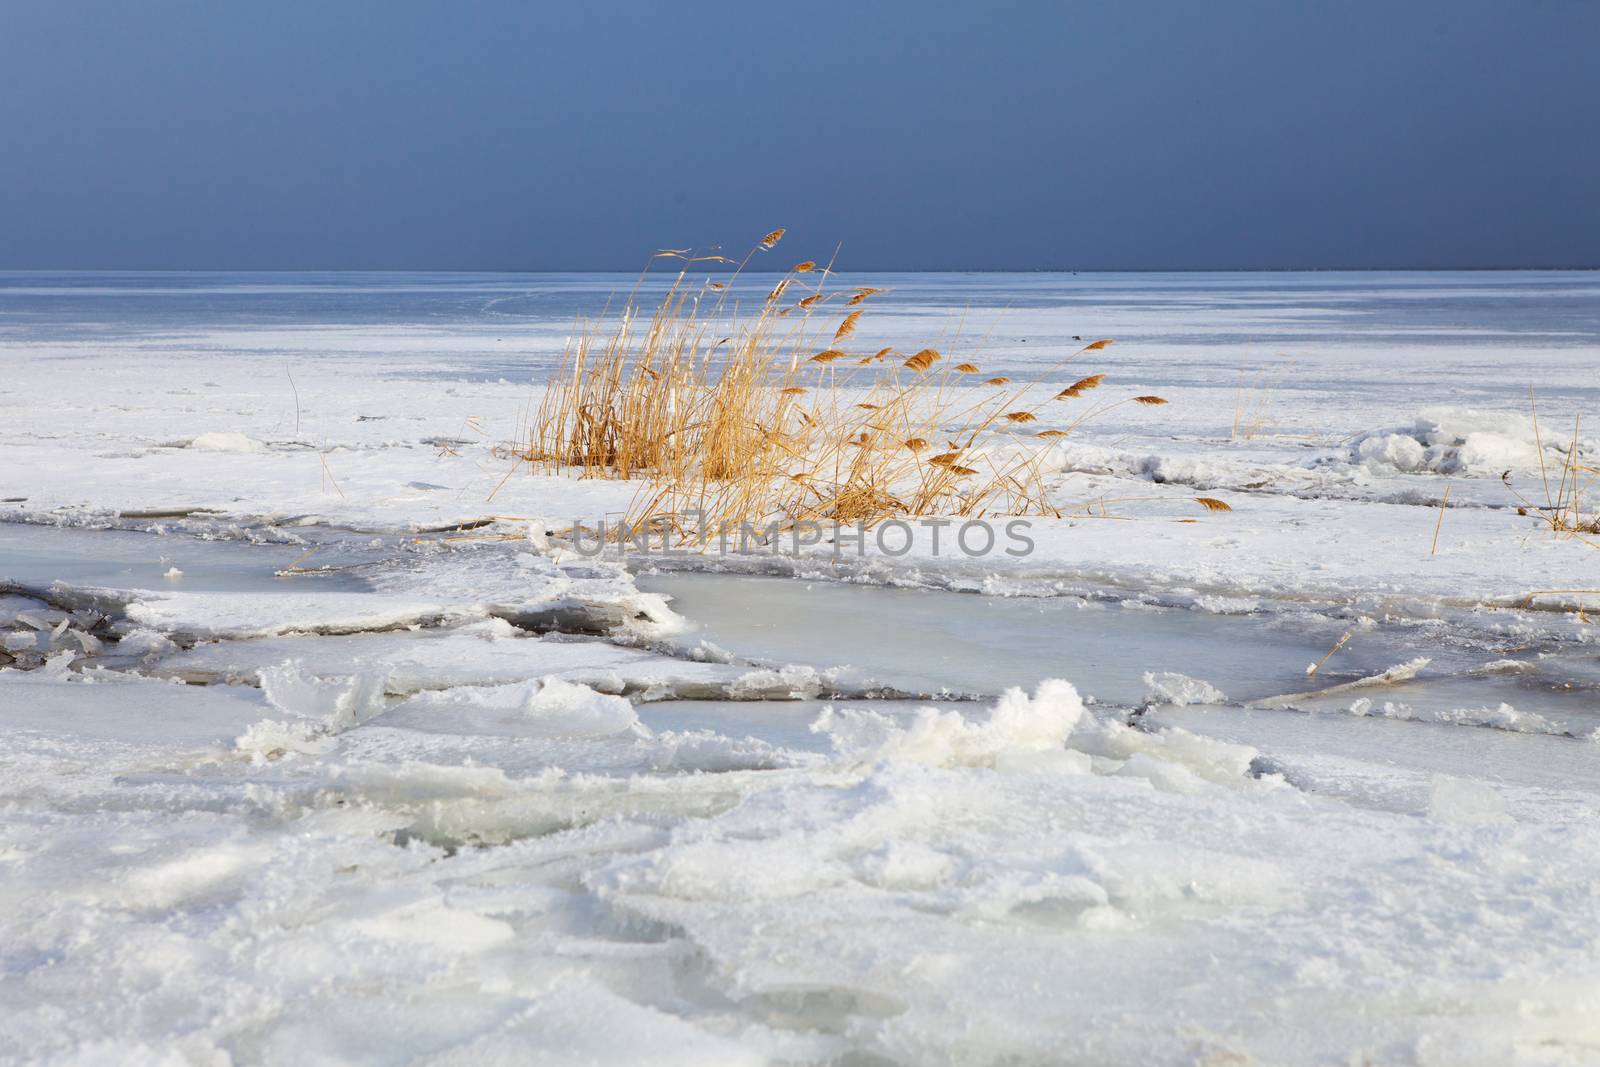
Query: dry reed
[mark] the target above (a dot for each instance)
(1254, 400)
(1563, 508)
(1444, 503)
(728, 415)
(1317, 666)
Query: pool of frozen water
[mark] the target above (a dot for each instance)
(1397, 765)
(924, 641)
(36, 556)
(966, 642)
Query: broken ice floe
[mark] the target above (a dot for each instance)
(1464, 442)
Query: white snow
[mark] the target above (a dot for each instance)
(223, 441)
(441, 795)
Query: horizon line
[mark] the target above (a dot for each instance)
(854, 270)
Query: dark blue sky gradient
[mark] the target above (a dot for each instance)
(1135, 134)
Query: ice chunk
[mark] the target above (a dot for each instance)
(271, 739)
(1400, 672)
(335, 703)
(19, 641)
(14, 608)
(792, 683)
(1503, 717)
(147, 644)
(1168, 687)
(89, 642)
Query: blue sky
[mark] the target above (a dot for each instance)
(1136, 134)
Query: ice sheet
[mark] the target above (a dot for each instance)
(426, 811)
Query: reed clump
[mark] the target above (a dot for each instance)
(770, 412)
(1254, 400)
(1570, 489)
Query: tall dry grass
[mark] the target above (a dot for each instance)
(1254, 400)
(731, 414)
(1570, 490)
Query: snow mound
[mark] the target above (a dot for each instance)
(1463, 442)
(1050, 732)
(225, 442)
(547, 707)
(1171, 759)
(574, 709)
(272, 739)
(707, 750)
(1464, 801)
(1016, 724)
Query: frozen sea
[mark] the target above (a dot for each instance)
(322, 746)
(1244, 312)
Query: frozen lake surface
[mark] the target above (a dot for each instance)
(321, 745)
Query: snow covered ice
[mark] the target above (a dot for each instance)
(319, 745)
